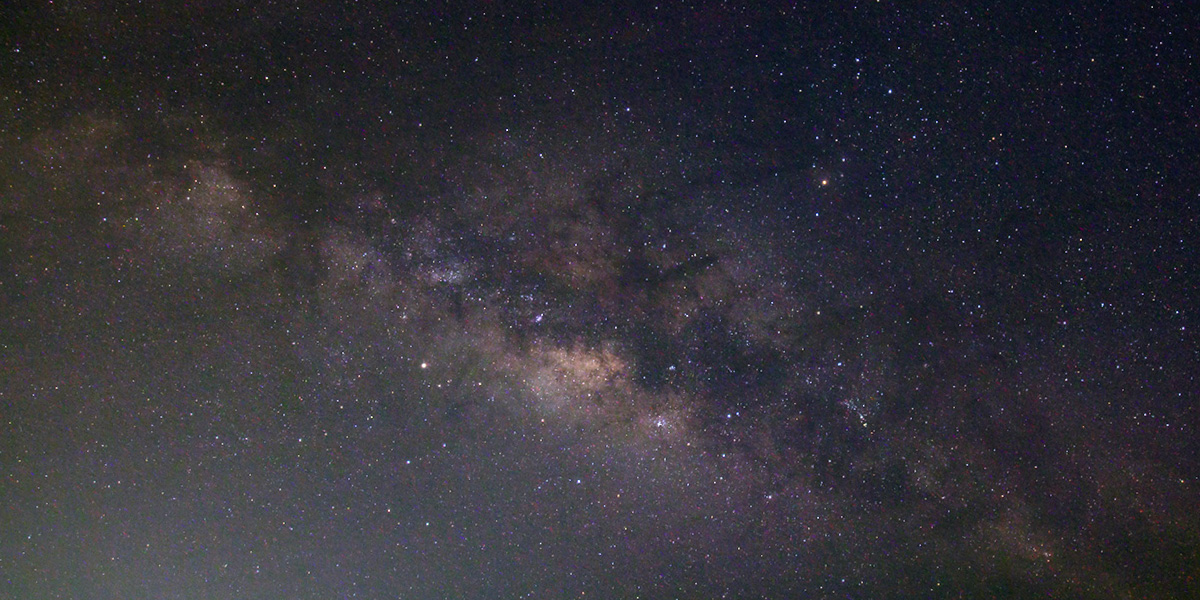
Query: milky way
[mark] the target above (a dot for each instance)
(643, 302)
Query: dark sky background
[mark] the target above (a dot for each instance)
(604, 300)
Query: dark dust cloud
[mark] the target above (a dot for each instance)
(564, 300)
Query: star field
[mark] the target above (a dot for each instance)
(509, 300)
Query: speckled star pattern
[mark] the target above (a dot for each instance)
(492, 300)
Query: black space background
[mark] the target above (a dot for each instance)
(509, 299)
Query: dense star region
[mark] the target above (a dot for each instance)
(509, 300)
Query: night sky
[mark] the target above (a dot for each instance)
(608, 300)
